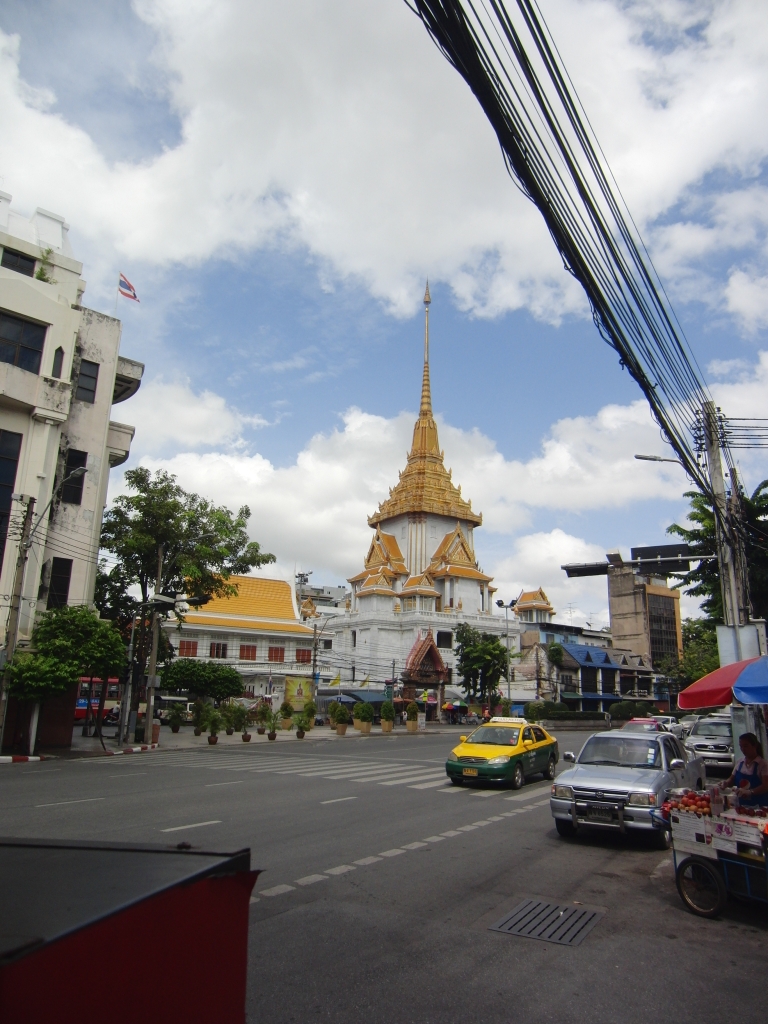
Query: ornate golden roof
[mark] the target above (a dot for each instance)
(425, 484)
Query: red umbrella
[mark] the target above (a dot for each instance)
(714, 689)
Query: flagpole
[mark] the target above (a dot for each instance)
(117, 296)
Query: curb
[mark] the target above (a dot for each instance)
(20, 759)
(127, 750)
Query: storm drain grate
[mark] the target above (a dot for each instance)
(564, 923)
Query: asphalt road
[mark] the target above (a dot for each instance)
(380, 883)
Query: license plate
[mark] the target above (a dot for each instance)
(600, 812)
(469, 771)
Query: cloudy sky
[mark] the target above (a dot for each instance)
(278, 180)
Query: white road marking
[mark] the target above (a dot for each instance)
(450, 789)
(198, 824)
(254, 899)
(411, 778)
(496, 817)
(338, 800)
(526, 796)
(413, 846)
(391, 853)
(311, 879)
(481, 823)
(364, 861)
(277, 890)
(236, 782)
(434, 839)
(429, 785)
(125, 775)
(466, 828)
(485, 793)
(63, 803)
(340, 870)
(451, 832)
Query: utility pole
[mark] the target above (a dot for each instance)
(730, 554)
(152, 670)
(12, 631)
(315, 643)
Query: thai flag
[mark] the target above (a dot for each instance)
(126, 289)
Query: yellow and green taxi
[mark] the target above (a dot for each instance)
(504, 750)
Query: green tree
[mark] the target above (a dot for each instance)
(35, 678)
(481, 662)
(704, 580)
(700, 655)
(203, 678)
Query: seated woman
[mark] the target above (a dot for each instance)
(750, 775)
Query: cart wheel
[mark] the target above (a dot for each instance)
(701, 886)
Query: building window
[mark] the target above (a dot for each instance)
(10, 446)
(187, 648)
(17, 261)
(663, 628)
(86, 381)
(427, 604)
(566, 680)
(304, 655)
(409, 604)
(21, 342)
(354, 638)
(72, 492)
(327, 645)
(276, 654)
(218, 650)
(61, 576)
(58, 362)
(433, 532)
(353, 673)
(247, 652)
(444, 639)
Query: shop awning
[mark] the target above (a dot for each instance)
(747, 681)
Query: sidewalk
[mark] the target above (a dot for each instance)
(185, 739)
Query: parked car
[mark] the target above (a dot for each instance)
(711, 739)
(618, 778)
(643, 725)
(505, 750)
(687, 722)
(670, 723)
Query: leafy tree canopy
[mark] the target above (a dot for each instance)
(481, 663)
(34, 677)
(203, 678)
(704, 580)
(700, 655)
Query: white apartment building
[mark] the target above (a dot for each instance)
(60, 374)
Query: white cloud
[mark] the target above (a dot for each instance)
(747, 296)
(340, 128)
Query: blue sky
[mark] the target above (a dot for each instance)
(278, 181)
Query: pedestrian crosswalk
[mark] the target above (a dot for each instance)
(424, 775)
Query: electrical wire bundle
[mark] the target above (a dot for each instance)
(514, 69)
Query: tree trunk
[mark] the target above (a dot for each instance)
(100, 712)
(34, 718)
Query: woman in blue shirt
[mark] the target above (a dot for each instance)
(750, 776)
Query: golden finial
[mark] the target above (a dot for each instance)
(427, 298)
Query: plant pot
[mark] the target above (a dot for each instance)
(213, 739)
(198, 732)
(299, 734)
(387, 726)
(412, 726)
(356, 723)
(271, 735)
(230, 732)
(287, 723)
(365, 728)
(341, 730)
(246, 737)
(175, 728)
(261, 730)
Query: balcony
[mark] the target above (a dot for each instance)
(44, 397)
(127, 379)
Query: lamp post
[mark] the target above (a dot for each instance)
(507, 608)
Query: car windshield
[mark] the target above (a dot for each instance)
(705, 728)
(625, 751)
(641, 727)
(494, 734)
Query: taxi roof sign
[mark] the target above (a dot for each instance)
(513, 721)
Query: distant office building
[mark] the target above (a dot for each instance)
(645, 612)
(60, 374)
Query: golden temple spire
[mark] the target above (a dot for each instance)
(426, 394)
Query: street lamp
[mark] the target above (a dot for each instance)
(507, 608)
(658, 458)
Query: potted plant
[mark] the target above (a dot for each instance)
(286, 714)
(228, 717)
(366, 715)
(240, 718)
(412, 717)
(215, 722)
(333, 707)
(200, 717)
(177, 716)
(342, 720)
(309, 710)
(273, 724)
(261, 715)
(302, 725)
(356, 714)
(387, 716)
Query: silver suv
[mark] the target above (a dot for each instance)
(711, 739)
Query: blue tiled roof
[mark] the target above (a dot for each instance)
(588, 656)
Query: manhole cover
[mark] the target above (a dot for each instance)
(565, 923)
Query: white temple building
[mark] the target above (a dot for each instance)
(420, 573)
